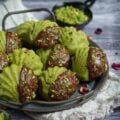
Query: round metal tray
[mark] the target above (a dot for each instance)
(45, 106)
(51, 106)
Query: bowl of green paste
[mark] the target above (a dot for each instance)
(74, 14)
(71, 15)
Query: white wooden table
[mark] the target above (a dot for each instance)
(107, 17)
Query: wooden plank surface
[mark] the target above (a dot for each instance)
(107, 17)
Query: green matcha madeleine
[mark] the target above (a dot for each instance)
(79, 64)
(57, 83)
(9, 80)
(73, 39)
(9, 41)
(89, 63)
(39, 34)
(18, 84)
(59, 56)
(24, 32)
(43, 54)
(56, 56)
(27, 57)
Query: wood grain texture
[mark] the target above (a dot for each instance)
(107, 17)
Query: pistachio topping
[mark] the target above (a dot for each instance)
(97, 62)
(59, 56)
(47, 38)
(64, 86)
(12, 42)
(3, 61)
(28, 85)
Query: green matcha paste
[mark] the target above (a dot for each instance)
(70, 15)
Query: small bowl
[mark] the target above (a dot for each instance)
(81, 6)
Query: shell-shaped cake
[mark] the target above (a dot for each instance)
(73, 39)
(9, 80)
(57, 83)
(43, 54)
(89, 63)
(18, 83)
(28, 58)
(56, 56)
(39, 34)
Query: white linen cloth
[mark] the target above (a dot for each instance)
(14, 20)
(97, 108)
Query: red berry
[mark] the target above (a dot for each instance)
(116, 66)
(84, 90)
(98, 31)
